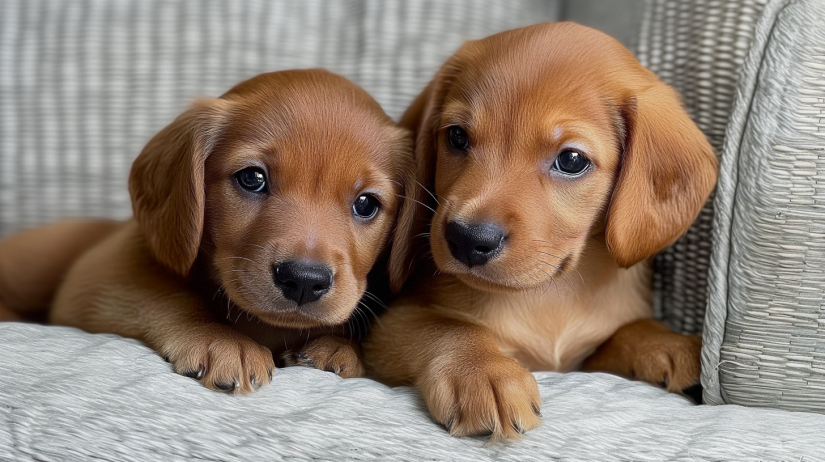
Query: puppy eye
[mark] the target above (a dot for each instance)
(571, 163)
(366, 206)
(458, 138)
(252, 179)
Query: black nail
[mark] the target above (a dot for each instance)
(450, 423)
(302, 359)
(536, 409)
(194, 374)
(664, 383)
(269, 372)
(225, 386)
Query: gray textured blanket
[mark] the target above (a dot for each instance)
(68, 395)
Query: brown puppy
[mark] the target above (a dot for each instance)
(558, 165)
(258, 216)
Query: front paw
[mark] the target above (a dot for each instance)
(331, 354)
(650, 352)
(220, 358)
(492, 395)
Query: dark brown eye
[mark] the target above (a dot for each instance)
(366, 207)
(458, 138)
(252, 179)
(571, 163)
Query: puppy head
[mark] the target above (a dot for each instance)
(286, 189)
(538, 142)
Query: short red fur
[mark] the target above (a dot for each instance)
(571, 286)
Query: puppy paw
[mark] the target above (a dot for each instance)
(221, 358)
(331, 354)
(649, 351)
(493, 396)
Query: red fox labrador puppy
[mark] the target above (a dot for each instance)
(258, 216)
(558, 165)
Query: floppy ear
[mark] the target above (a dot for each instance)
(667, 171)
(414, 217)
(166, 184)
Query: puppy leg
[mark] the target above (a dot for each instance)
(33, 263)
(647, 350)
(330, 353)
(469, 386)
(180, 329)
(117, 287)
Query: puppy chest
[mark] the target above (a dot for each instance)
(557, 335)
(559, 345)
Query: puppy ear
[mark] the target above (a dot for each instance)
(398, 267)
(166, 184)
(667, 171)
(422, 118)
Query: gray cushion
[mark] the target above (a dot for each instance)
(70, 396)
(765, 326)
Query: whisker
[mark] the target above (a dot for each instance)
(560, 273)
(418, 202)
(428, 192)
(217, 292)
(243, 258)
(553, 280)
(443, 198)
(377, 319)
(550, 254)
(375, 298)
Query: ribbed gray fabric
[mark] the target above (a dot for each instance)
(765, 333)
(84, 84)
(697, 47)
(70, 396)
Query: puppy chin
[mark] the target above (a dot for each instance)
(487, 285)
(283, 313)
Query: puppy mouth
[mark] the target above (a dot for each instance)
(499, 276)
(288, 315)
(274, 308)
(515, 283)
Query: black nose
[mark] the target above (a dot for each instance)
(474, 244)
(303, 282)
